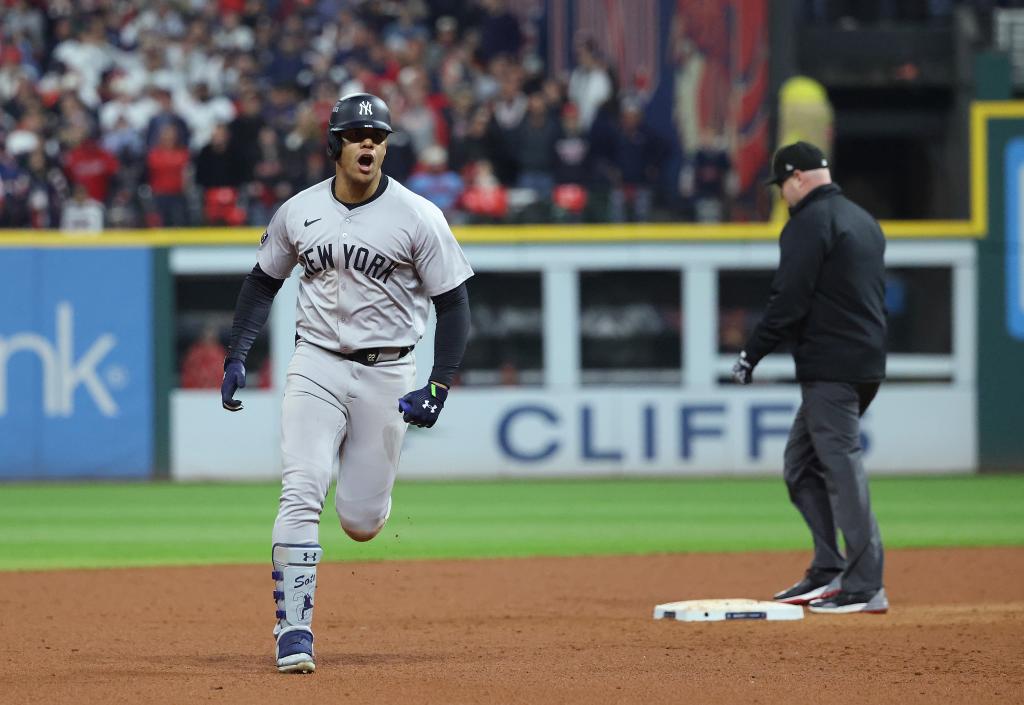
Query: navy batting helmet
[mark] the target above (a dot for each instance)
(354, 111)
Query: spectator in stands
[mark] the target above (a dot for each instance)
(82, 214)
(12, 74)
(400, 159)
(270, 187)
(214, 167)
(47, 190)
(485, 199)
(571, 168)
(197, 60)
(89, 55)
(436, 182)
(634, 172)
(202, 112)
(446, 35)
(245, 130)
(166, 165)
(233, 35)
(707, 179)
(165, 116)
(17, 94)
(161, 19)
(28, 135)
(313, 168)
(416, 117)
(590, 85)
(571, 149)
(203, 364)
(14, 190)
(463, 146)
(124, 210)
(535, 147)
(306, 137)
(153, 70)
(88, 164)
(499, 31)
(282, 104)
(21, 18)
(136, 109)
(74, 117)
(408, 25)
(287, 62)
(217, 174)
(125, 143)
(509, 111)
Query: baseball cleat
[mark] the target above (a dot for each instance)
(870, 602)
(295, 652)
(816, 585)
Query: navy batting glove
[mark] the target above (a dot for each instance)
(234, 378)
(420, 408)
(742, 370)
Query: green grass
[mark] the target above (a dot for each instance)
(99, 525)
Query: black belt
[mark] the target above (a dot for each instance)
(371, 356)
(368, 356)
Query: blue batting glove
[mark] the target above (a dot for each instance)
(420, 408)
(234, 378)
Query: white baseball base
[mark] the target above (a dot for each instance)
(722, 610)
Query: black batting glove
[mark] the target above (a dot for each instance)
(234, 378)
(420, 408)
(742, 370)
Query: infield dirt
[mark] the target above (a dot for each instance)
(551, 630)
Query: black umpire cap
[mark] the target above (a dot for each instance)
(802, 156)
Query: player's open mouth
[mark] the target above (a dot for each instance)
(365, 163)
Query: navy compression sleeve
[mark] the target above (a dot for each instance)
(251, 311)
(451, 333)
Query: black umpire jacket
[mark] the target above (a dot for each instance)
(828, 294)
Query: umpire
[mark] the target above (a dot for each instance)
(828, 299)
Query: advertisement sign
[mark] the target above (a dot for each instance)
(76, 396)
(537, 433)
(726, 431)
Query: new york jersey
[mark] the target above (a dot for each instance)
(368, 271)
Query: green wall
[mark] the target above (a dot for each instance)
(1000, 356)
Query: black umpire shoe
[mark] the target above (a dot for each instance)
(816, 585)
(870, 602)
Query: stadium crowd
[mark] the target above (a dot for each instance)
(124, 113)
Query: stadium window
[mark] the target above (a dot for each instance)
(204, 308)
(631, 327)
(506, 337)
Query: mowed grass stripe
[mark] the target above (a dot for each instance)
(101, 525)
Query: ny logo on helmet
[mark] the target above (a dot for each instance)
(365, 108)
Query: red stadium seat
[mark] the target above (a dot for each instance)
(220, 206)
(571, 198)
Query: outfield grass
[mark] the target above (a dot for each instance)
(98, 525)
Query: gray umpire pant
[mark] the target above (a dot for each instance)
(825, 475)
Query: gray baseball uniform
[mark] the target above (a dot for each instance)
(369, 271)
(367, 275)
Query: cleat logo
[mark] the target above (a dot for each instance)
(365, 108)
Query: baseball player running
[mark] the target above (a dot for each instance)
(372, 253)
